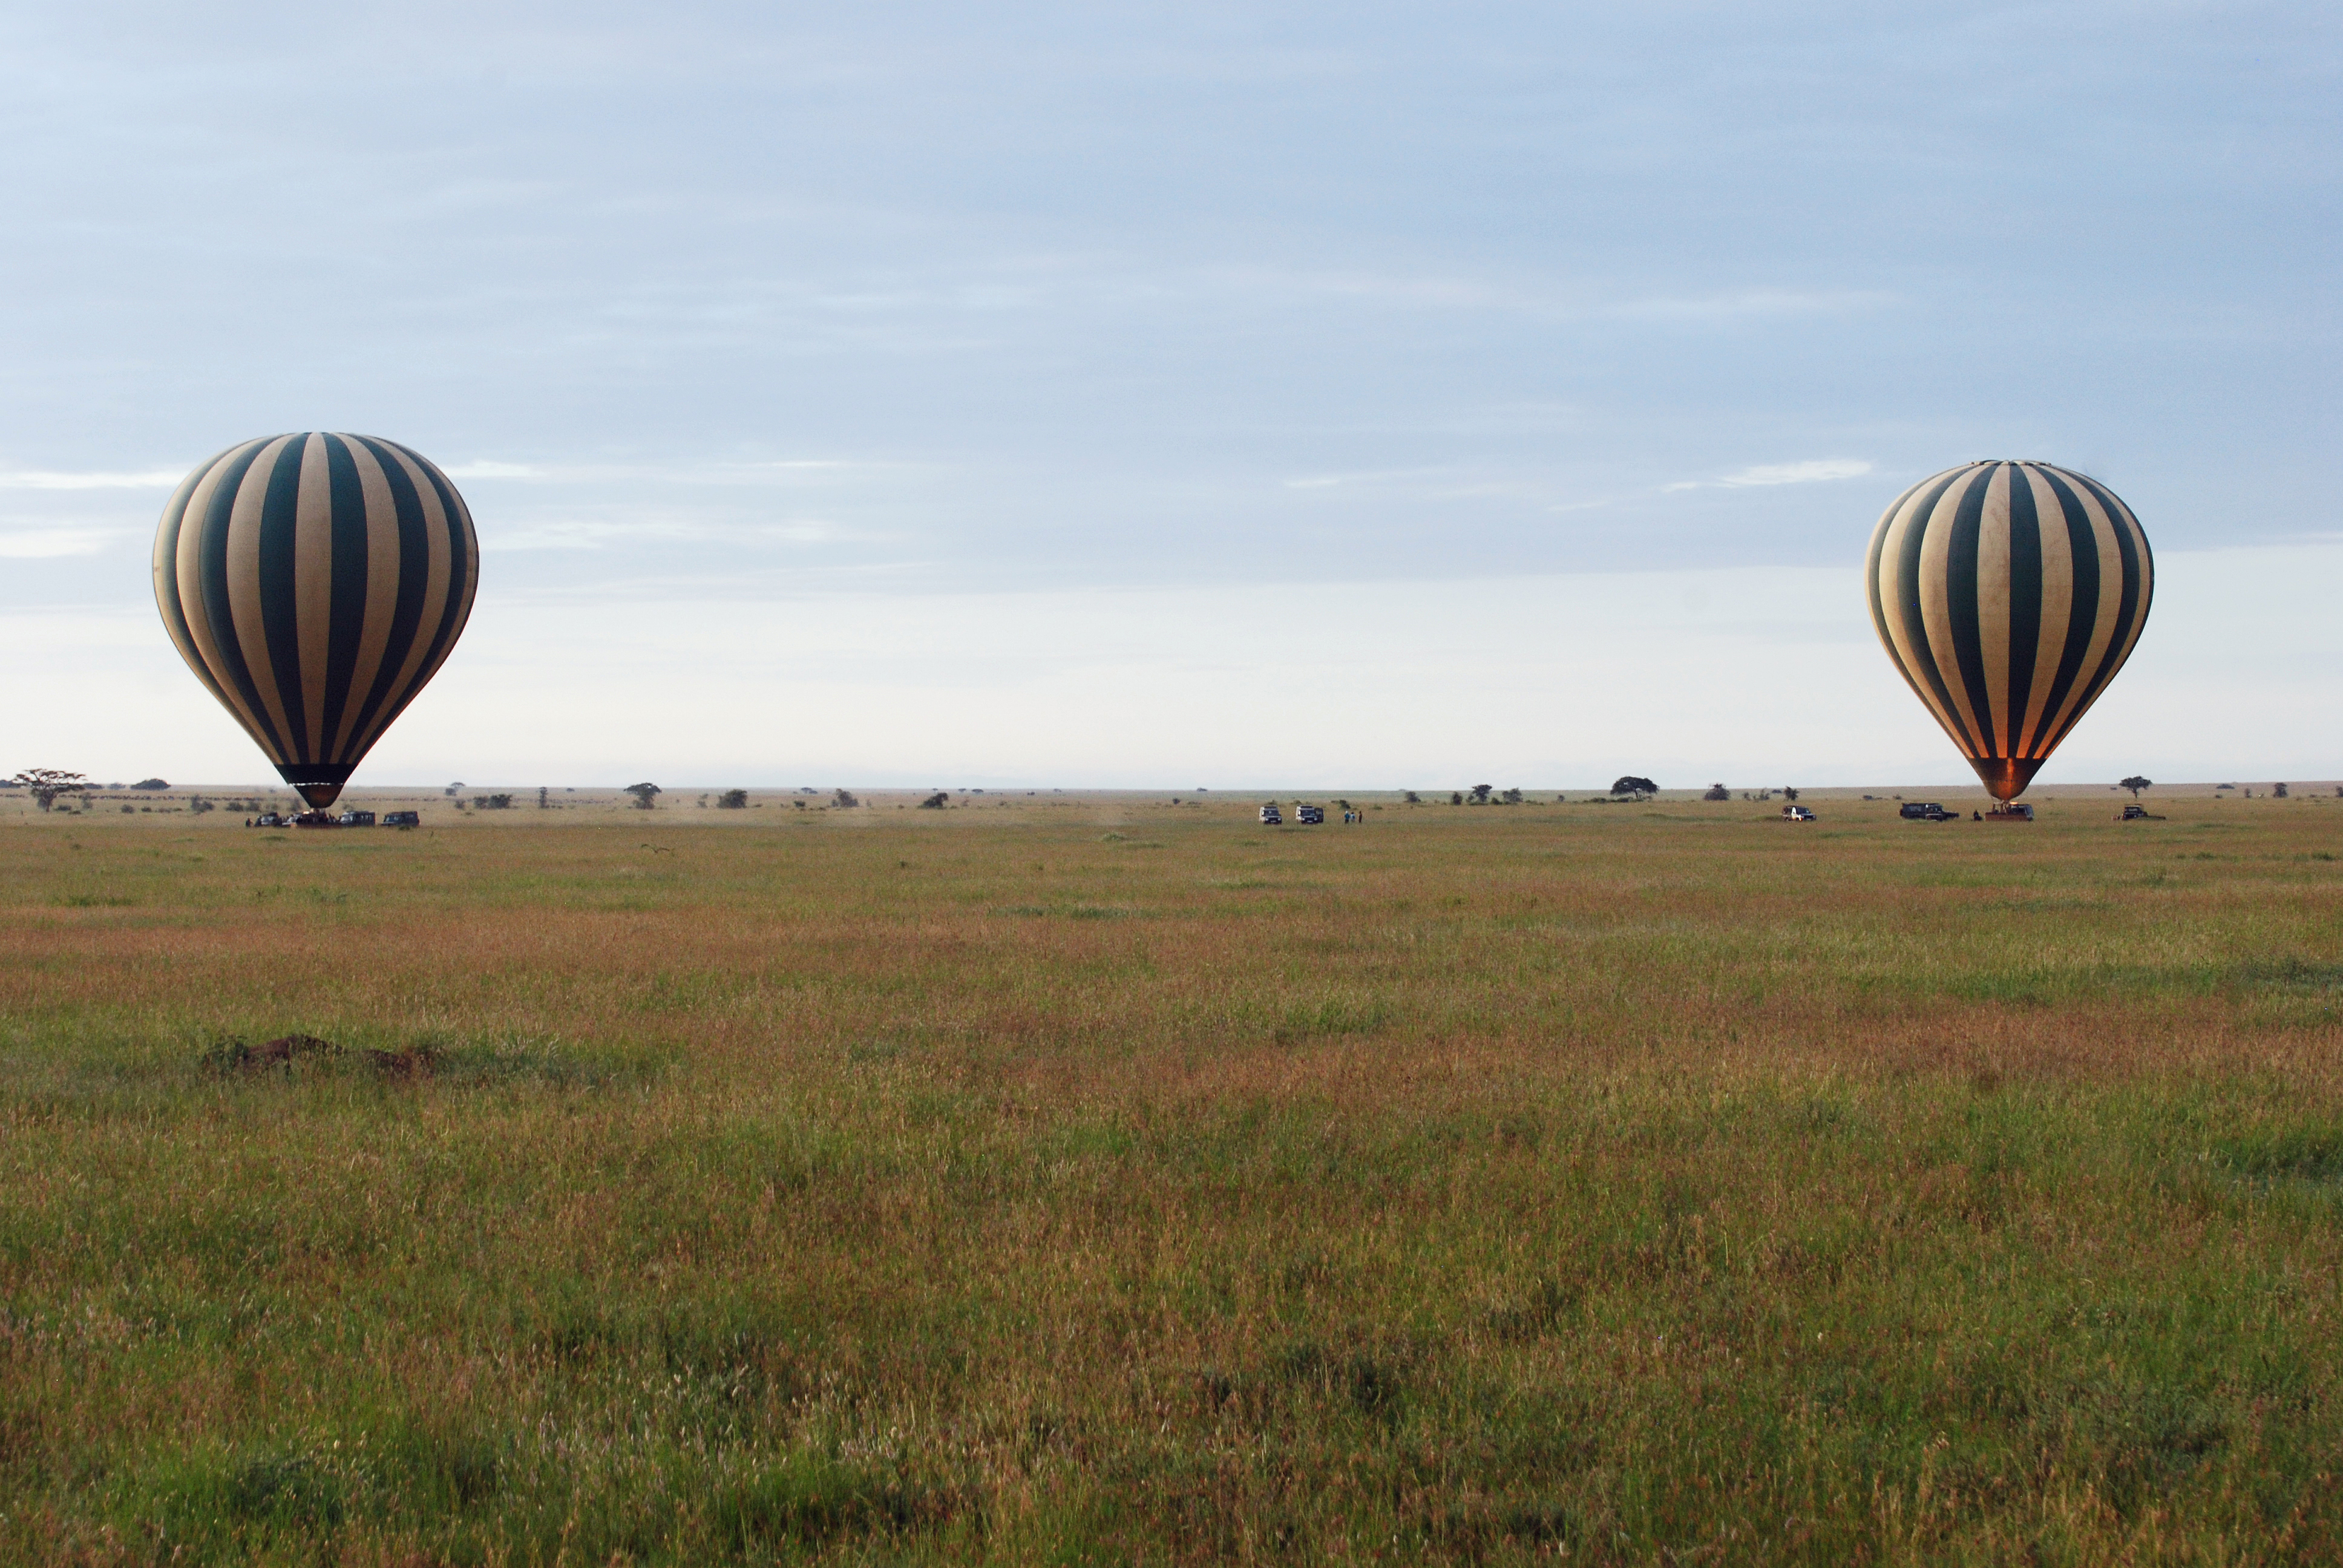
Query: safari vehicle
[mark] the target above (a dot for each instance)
(2011, 811)
(357, 819)
(1796, 814)
(402, 818)
(2136, 813)
(1926, 811)
(1270, 817)
(270, 819)
(1310, 815)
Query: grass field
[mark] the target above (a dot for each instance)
(1078, 1181)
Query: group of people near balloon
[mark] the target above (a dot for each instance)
(316, 582)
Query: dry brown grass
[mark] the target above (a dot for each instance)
(1077, 1182)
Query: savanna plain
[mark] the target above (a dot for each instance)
(1113, 1180)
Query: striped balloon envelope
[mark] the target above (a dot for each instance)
(315, 583)
(2008, 594)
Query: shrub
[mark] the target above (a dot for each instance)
(732, 800)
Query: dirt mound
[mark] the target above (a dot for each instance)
(231, 1054)
(403, 1065)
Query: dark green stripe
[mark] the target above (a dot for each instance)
(211, 571)
(2025, 602)
(2083, 607)
(166, 581)
(1871, 578)
(2129, 608)
(280, 603)
(459, 566)
(1907, 597)
(348, 626)
(1967, 631)
(382, 699)
(445, 620)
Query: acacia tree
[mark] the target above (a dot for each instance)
(47, 783)
(644, 794)
(2136, 783)
(1481, 793)
(1629, 784)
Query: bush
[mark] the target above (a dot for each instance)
(844, 798)
(732, 800)
(935, 802)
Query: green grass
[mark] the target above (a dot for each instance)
(1476, 1185)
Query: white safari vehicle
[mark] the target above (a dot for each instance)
(1270, 817)
(1796, 814)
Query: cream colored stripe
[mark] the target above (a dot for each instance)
(2124, 519)
(382, 590)
(471, 562)
(2103, 626)
(166, 571)
(250, 628)
(313, 587)
(1899, 615)
(208, 635)
(1993, 605)
(411, 673)
(2058, 609)
(1936, 602)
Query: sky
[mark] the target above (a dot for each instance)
(1169, 396)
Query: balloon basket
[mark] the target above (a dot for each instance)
(316, 819)
(2009, 811)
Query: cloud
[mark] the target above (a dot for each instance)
(47, 544)
(594, 535)
(41, 480)
(1743, 303)
(1815, 471)
(484, 468)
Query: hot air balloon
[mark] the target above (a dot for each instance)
(2008, 594)
(315, 582)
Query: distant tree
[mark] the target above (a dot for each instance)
(1457, 797)
(151, 784)
(1481, 794)
(1717, 792)
(2136, 783)
(1629, 784)
(1788, 794)
(1414, 800)
(544, 799)
(48, 783)
(732, 800)
(644, 795)
(935, 802)
(2277, 791)
(844, 798)
(198, 805)
(1511, 798)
